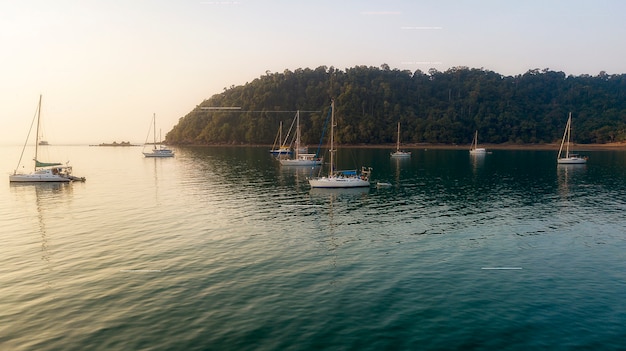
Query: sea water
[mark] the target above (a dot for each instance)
(224, 249)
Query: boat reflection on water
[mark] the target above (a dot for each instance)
(42, 197)
(478, 161)
(40, 189)
(295, 176)
(398, 164)
(567, 176)
(334, 207)
(339, 191)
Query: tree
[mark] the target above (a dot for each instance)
(439, 107)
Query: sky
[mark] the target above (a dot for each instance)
(104, 67)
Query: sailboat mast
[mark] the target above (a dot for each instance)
(563, 141)
(37, 138)
(332, 138)
(154, 131)
(476, 139)
(284, 142)
(297, 134)
(566, 137)
(398, 141)
(569, 132)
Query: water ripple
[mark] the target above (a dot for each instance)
(221, 248)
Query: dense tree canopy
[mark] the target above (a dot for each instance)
(434, 107)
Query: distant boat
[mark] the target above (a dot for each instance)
(44, 171)
(400, 153)
(279, 148)
(474, 149)
(300, 158)
(42, 141)
(160, 151)
(569, 158)
(340, 179)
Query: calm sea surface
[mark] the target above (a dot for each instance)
(222, 249)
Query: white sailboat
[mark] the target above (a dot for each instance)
(300, 158)
(340, 179)
(43, 171)
(399, 153)
(569, 158)
(474, 149)
(160, 151)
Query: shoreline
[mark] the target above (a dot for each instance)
(554, 146)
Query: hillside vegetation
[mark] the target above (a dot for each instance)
(434, 107)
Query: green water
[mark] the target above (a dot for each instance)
(222, 249)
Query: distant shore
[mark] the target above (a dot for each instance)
(554, 146)
(123, 143)
(577, 147)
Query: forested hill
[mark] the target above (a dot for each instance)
(434, 107)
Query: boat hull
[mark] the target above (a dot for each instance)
(478, 151)
(401, 154)
(281, 152)
(49, 175)
(302, 160)
(37, 178)
(159, 153)
(571, 161)
(338, 182)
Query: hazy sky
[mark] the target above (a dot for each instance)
(105, 66)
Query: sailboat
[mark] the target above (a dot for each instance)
(569, 158)
(400, 153)
(43, 171)
(282, 149)
(42, 141)
(474, 149)
(160, 151)
(301, 158)
(340, 179)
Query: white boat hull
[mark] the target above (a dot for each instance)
(571, 161)
(38, 177)
(159, 153)
(302, 160)
(478, 151)
(338, 182)
(401, 154)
